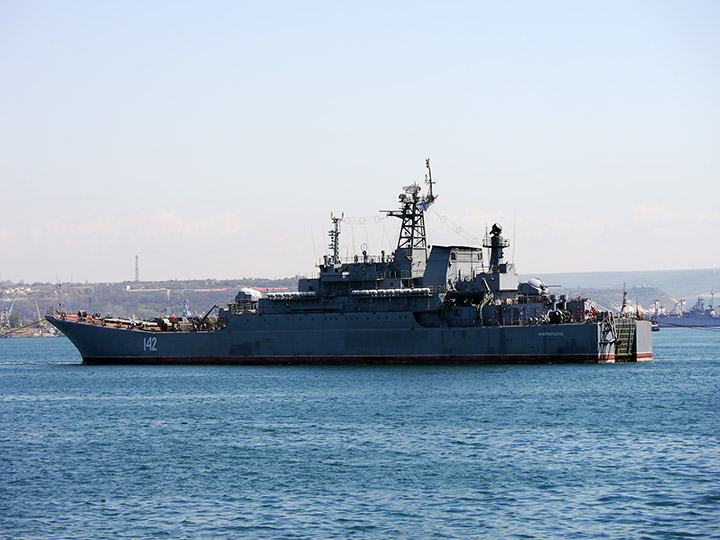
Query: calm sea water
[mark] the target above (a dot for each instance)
(580, 451)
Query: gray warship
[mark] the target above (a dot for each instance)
(698, 316)
(419, 304)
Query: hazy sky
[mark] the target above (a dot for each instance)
(213, 139)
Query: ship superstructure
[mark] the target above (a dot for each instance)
(418, 304)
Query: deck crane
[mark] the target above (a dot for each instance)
(8, 312)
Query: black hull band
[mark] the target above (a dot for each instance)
(358, 360)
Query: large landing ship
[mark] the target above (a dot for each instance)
(417, 305)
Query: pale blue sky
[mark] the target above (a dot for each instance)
(213, 139)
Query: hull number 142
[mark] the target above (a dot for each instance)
(150, 343)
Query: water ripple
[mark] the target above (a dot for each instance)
(581, 452)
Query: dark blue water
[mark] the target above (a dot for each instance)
(586, 451)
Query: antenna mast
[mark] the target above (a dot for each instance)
(429, 181)
(334, 235)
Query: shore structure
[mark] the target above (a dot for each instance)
(416, 305)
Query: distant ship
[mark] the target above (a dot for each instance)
(697, 316)
(417, 305)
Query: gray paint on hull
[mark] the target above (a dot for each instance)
(241, 344)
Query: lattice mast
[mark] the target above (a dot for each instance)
(412, 213)
(412, 241)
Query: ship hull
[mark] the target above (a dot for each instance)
(263, 340)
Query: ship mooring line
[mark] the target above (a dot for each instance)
(21, 328)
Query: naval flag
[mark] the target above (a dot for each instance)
(424, 205)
